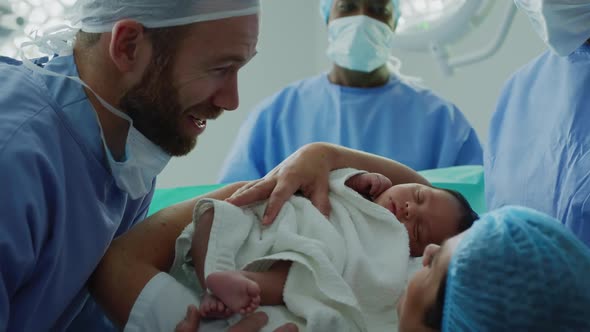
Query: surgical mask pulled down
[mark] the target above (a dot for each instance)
(563, 25)
(144, 160)
(359, 43)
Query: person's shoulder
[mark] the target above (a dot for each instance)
(23, 102)
(26, 147)
(529, 70)
(306, 84)
(419, 98)
(14, 72)
(292, 91)
(415, 92)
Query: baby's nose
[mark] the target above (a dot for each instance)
(407, 210)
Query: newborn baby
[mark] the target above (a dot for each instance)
(428, 214)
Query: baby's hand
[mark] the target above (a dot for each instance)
(369, 184)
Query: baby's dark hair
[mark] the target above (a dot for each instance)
(468, 216)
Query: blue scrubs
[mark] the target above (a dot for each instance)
(59, 204)
(539, 148)
(396, 121)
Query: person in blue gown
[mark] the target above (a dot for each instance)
(61, 206)
(362, 103)
(538, 153)
(83, 136)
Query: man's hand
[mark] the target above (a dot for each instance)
(251, 323)
(307, 171)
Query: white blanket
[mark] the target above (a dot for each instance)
(347, 273)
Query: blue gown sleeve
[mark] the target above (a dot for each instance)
(577, 215)
(141, 214)
(471, 152)
(145, 206)
(455, 139)
(584, 228)
(246, 159)
(23, 221)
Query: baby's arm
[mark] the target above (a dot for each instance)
(369, 185)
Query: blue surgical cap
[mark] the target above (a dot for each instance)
(518, 270)
(326, 6)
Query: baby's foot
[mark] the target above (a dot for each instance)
(212, 307)
(237, 292)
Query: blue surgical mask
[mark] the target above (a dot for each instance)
(143, 159)
(564, 25)
(359, 43)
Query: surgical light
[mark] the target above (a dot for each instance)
(21, 18)
(432, 25)
(425, 26)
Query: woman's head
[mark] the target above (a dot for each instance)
(516, 270)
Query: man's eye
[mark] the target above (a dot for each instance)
(221, 70)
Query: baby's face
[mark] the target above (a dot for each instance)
(430, 215)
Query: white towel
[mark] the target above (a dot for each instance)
(348, 272)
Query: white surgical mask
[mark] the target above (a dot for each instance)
(143, 161)
(564, 25)
(359, 43)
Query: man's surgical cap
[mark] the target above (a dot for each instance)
(101, 15)
(326, 6)
(518, 270)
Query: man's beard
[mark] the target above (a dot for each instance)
(153, 105)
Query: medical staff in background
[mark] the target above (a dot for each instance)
(83, 137)
(538, 154)
(362, 103)
(539, 146)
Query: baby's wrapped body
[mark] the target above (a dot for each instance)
(347, 272)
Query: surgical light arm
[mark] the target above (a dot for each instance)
(447, 64)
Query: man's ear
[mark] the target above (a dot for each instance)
(129, 48)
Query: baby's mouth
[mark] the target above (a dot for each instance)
(393, 208)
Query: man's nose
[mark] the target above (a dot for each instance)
(227, 97)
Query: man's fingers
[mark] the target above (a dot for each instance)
(244, 188)
(277, 199)
(254, 192)
(251, 323)
(319, 199)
